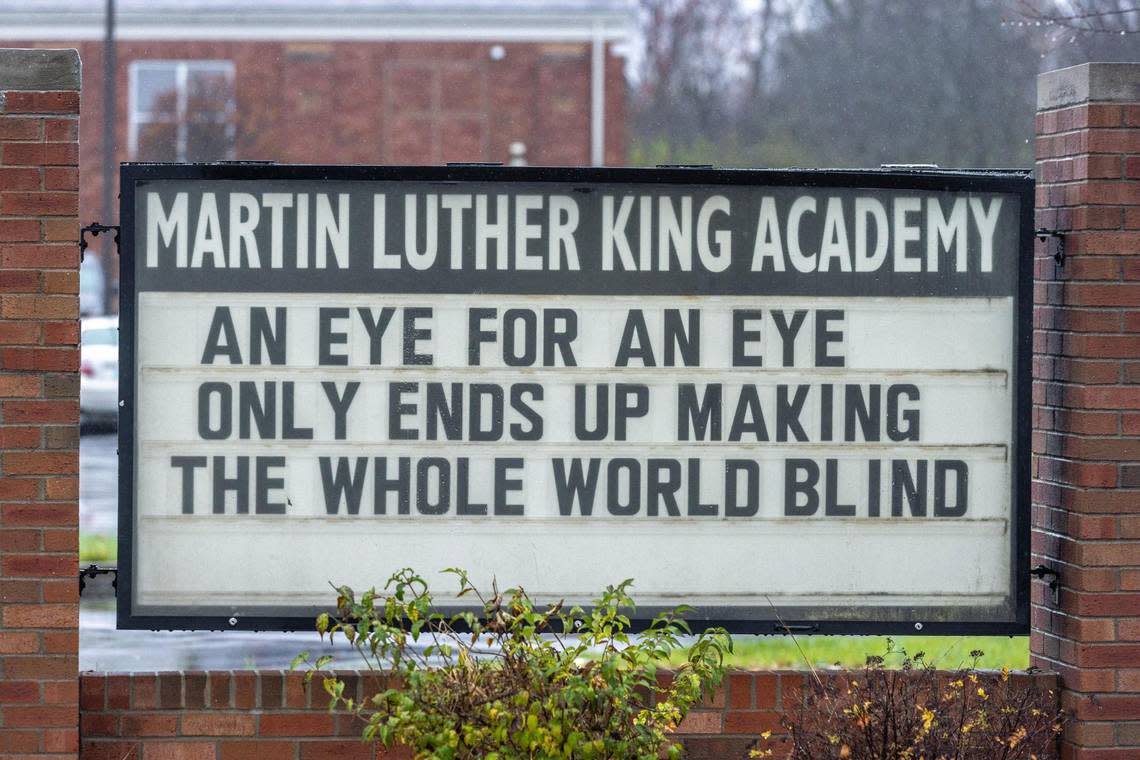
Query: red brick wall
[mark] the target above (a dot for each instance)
(225, 715)
(39, 406)
(380, 102)
(1086, 393)
(269, 714)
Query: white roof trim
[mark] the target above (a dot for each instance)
(355, 25)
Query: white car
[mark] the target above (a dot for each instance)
(99, 370)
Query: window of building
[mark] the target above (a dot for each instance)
(182, 110)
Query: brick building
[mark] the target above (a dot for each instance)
(1086, 489)
(342, 81)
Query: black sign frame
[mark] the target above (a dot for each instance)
(1016, 182)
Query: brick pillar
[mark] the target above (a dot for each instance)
(39, 402)
(1086, 403)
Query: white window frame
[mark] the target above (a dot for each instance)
(181, 71)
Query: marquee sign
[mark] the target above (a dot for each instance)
(782, 398)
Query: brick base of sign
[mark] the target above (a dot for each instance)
(235, 715)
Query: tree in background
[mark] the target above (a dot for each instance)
(858, 82)
(1076, 31)
(692, 61)
(879, 81)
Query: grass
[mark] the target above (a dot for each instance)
(96, 548)
(948, 652)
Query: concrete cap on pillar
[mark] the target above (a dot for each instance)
(1089, 83)
(39, 69)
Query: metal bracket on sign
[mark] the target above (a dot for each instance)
(1044, 234)
(793, 629)
(93, 571)
(95, 228)
(1041, 571)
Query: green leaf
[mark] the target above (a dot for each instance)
(538, 696)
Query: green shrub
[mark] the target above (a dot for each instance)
(511, 680)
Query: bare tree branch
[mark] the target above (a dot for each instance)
(1088, 16)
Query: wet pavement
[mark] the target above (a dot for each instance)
(103, 648)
